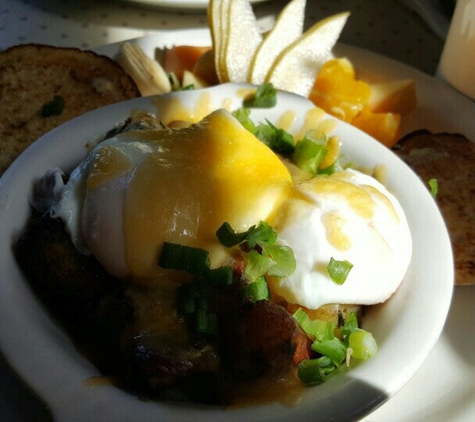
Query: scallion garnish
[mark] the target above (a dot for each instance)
(53, 108)
(334, 349)
(315, 371)
(339, 270)
(350, 326)
(242, 115)
(184, 258)
(257, 290)
(262, 234)
(228, 237)
(206, 322)
(362, 344)
(434, 187)
(264, 97)
(284, 259)
(257, 265)
(308, 155)
(315, 328)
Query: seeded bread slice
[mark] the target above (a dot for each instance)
(31, 75)
(449, 158)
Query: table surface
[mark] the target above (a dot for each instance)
(387, 27)
(403, 30)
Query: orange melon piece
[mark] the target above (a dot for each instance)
(398, 96)
(385, 127)
(183, 57)
(337, 91)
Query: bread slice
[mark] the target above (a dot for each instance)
(31, 75)
(449, 158)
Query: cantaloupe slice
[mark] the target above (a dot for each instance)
(288, 27)
(398, 96)
(297, 66)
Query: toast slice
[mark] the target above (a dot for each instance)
(42, 87)
(449, 158)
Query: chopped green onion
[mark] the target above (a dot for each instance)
(339, 270)
(188, 87)
(206, 322)
(257, 290)
(261, 235)
(363, 344)
(284, 259)
(308, 155)
(185, 258)
(315, 371)
(283, 142)
(242, 115)
(264, 97)
(350, 326)
(317, 328)
(221, 276)
(228, 237)
(257, 265)
(187, 299)
(54, 108)
(334, 349)
(434, 187)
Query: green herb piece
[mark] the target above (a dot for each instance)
(362, 344)
(228, 237)
(257, 265)
(257, 290)
(308, 155)
(315, 371)
(185, 258)
(284, 259)
(243, 116)
(264, 97)
(316, 328)
(221, 276)
(188, 87)
(339, 270)
(349, 327)
(334, 349)
(434, 187)
(54, 107)
(206, 322)
(261, 235)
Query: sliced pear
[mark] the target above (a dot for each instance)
(398, 96)
(218, 14)
(190, 79)
(288, 27)
(243, 39)
(297, 66)
(148, 74)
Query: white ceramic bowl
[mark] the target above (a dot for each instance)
(406, 327)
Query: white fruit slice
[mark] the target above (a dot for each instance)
(243, 39)
(288, 27)
(296, 68)
(148, 74)
(218, 19)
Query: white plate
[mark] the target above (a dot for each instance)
(180, 4)
(431, 115)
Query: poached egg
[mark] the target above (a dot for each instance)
(141, 188)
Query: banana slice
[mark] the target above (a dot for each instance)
(149, 75)
(288, 27)
(297, 66)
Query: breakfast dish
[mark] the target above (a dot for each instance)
(355, 389)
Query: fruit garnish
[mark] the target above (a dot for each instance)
(289, 72)
(288, 27)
